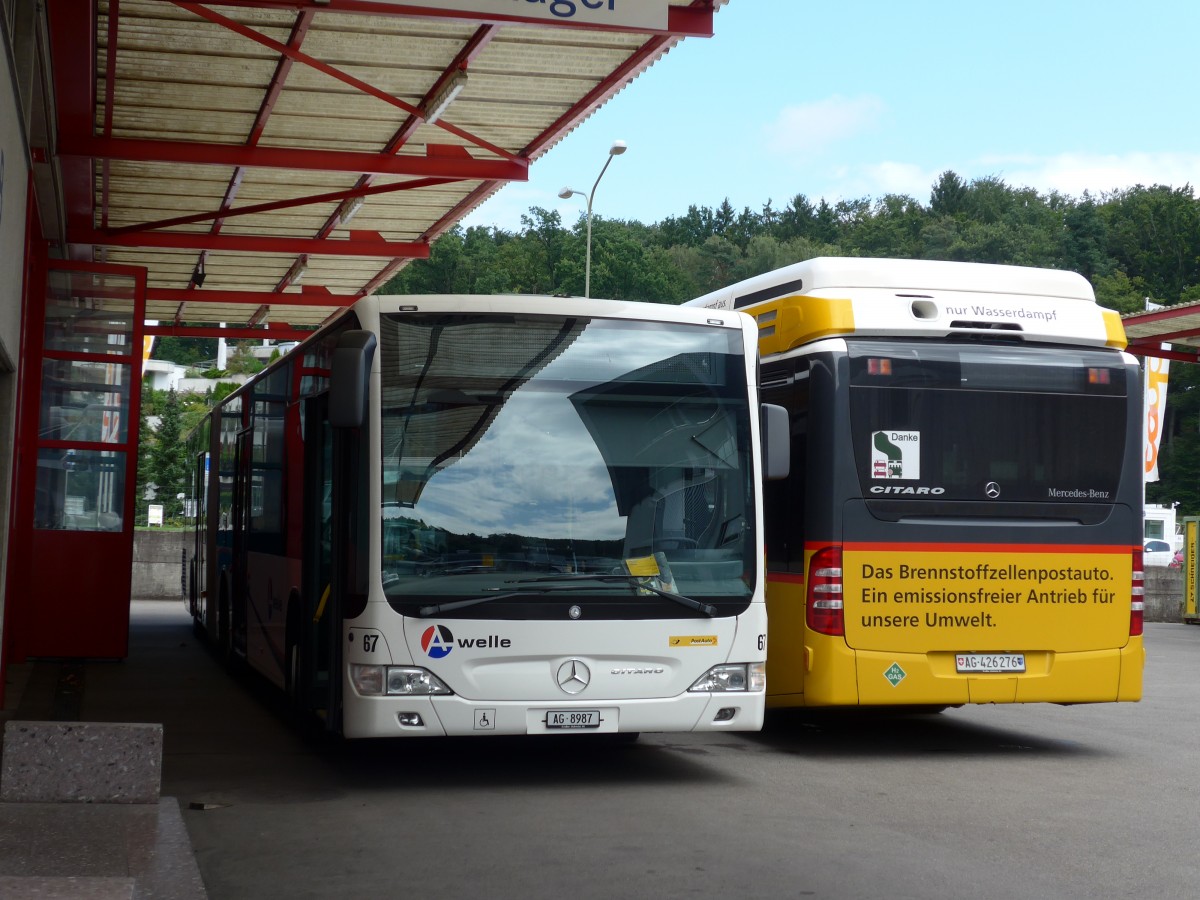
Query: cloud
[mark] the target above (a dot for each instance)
(1066, 173)
(1074, 173)
(808, 129)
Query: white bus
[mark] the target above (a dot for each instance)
(466, 515)
(962, 523)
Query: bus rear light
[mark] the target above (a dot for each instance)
(825, 613)
(1137, 592)
(879, 366)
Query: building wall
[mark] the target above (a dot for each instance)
(1164, 594)
(158, 565)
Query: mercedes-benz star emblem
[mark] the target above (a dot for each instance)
(992, 490)
(573, 676)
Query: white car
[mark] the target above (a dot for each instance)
(1157, 553)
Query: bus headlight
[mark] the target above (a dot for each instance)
(396, 681)
(742, 677)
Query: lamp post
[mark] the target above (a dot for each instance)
(617, 148)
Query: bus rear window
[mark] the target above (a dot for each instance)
(987, 423)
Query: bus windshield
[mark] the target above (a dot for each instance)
(524, 455)
(995, 424)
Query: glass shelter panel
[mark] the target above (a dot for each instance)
(84, 401)
(90, 313)
(80, 490)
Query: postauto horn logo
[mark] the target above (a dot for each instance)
(437, 641)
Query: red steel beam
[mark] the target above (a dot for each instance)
(178, 240)
(433, 165)
(282, 69)
(110, 87)
(222, 214)
(564, 124)
(334, 72)
(274, 333)
(1161, 315)
(473, 47)
(695, 21)
(255, 298)
(1156, 351)
(73, 50)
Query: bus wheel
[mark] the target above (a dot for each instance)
(291, 673)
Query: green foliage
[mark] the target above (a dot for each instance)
(162, 454)
(1120, 292)
(184, 350)
(1132, 244)
(242, 362)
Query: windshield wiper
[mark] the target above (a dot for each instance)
(546, 584)
(460, 604)
(436, 608)
(634, 581)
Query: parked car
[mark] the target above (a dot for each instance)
(1157, 553)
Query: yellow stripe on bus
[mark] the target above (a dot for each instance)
(1114, 330)
(787, 322)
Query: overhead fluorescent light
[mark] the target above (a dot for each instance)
(296, 272)
(350, 209)
(445, 96)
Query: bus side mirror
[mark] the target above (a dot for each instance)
(776, 442)
(350, 378)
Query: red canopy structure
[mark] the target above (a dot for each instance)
(270, 161)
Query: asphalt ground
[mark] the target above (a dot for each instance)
(993, 801)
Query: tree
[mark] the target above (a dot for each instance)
(167, 466)
(1118, 291)
(1085, 240)
(185, 351)
(948, 197)
(1155, 233)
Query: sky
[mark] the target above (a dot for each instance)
(864, 98)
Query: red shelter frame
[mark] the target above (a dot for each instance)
(71, 543)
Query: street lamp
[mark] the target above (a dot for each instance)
(617, 148)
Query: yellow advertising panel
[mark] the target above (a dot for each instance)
(985, 597)
(1191, 529)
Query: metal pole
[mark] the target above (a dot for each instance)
(587, 262)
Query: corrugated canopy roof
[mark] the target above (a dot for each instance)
(1177, 326)
(270, 161)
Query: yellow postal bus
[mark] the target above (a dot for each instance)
(963, 516)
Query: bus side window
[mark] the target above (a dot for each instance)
(786, 384)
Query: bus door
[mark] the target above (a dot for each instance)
(242, 498)
(314, 635)
(197, 570)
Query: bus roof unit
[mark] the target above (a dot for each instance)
(906, 297)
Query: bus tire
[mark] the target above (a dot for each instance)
(291, 662)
